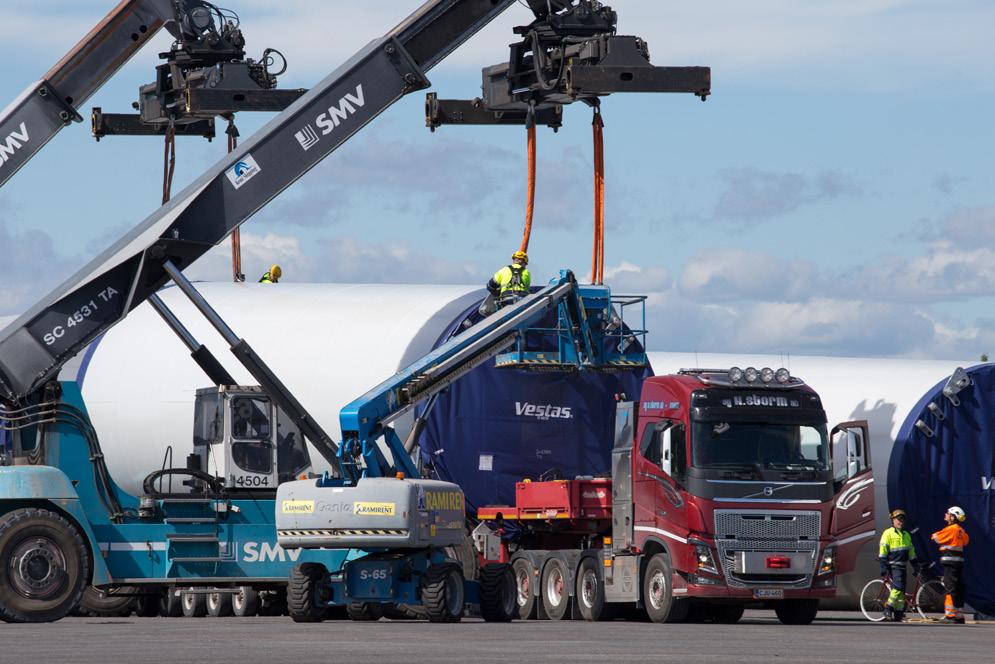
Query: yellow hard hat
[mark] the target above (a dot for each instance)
(520, 256)
(897, 514)
(275, 271)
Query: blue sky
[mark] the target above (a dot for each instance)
(834, 196)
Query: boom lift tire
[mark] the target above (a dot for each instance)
(498, 593)
(96, 604)
(403, 612)
(365, 611)
(796, 611)
(658, 595)
(525, 588)
(45, 566)
(147, 606)
(443, 594)
(194, 605)
(590, 590)
(219, 605)
(306, 593)
(245, 602)
(555, 586)
(171, 603)
(272, 603)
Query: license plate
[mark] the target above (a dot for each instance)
(768, 593)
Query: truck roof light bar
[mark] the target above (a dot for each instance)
(749, 377)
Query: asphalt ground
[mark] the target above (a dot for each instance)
(759, 637)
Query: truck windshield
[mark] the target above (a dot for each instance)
(759, 444)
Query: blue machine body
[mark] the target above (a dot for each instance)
(188, 541)
(949, 459)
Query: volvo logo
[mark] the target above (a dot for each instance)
(768, 491)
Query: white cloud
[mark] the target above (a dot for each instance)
(726, 275)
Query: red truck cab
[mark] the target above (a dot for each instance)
(727, 490)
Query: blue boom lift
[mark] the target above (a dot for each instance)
(64, 523)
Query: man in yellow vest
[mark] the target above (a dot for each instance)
(272, 275)
(895, 552)
(508, 285)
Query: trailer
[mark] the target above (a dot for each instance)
(726, 491)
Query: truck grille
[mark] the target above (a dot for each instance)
(773, 531)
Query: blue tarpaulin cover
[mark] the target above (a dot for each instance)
(497, 426)
(955, 466)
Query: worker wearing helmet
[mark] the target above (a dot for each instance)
(952, 541)
(272, 275)
(895, 552)
(512, 282)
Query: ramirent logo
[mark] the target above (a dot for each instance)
(14, 141)
(987, 483)
(542, 412)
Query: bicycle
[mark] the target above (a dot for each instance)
(925, 596)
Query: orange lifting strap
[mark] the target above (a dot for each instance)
(236, 235)
(531, 195)
(598, 252)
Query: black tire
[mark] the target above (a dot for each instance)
(872, 600)
(365, 611)
(498, 601)
(194, 605)
(97, 604)
(526, 581)
(245, 602)
(147, 606)
(44, 566)
(219, 605)
(726, 614)
(590, 590)
(658, 595)
(797, 611)
(273, 603)
(443, 594)
(403, 612)
(171, 603)
(930, 598)
(307, 593)
(555, 589)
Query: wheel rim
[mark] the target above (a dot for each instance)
(523, 580)
(872, 600)
(238, 599)
(589, 588)
(188, 601)
(213, 601)
(554, 587)
(38, 568)
(454, 594)
(657, 590)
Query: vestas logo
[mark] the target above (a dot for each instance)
(327, 122)
(542, 411)
(987, 483)
(14, 141)
(243, 171)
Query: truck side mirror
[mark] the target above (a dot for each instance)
(666, 451)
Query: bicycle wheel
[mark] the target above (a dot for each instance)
(873, 598)
(929, 600)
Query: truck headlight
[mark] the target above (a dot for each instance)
(704, 560)
(828, 564)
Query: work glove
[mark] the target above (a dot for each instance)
(884, 569)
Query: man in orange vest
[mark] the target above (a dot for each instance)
(952, 541)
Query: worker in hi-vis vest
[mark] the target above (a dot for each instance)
(952, 541)
(508, 285)
(896, 551)
(272, 275)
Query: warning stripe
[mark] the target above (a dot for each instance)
(338, 532)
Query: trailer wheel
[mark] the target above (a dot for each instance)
(590, 590)
(525, 587)
(307, 593)
(443, 594)
(555, 589)
(96, 604)
(796, 611)
(171, 603)
(194, 605)
(658, 595)
(498, 593)
(364, 611)
(219, 605)
(245, 602)
(44, 566)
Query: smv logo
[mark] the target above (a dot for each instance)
(15, 141)
(327, 122)
(243, 171)
(266, 552)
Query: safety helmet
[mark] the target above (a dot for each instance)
(521, 257)
(275, 271)
(897, 514)
(957, 513)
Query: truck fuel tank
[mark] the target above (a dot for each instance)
(377, 512)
